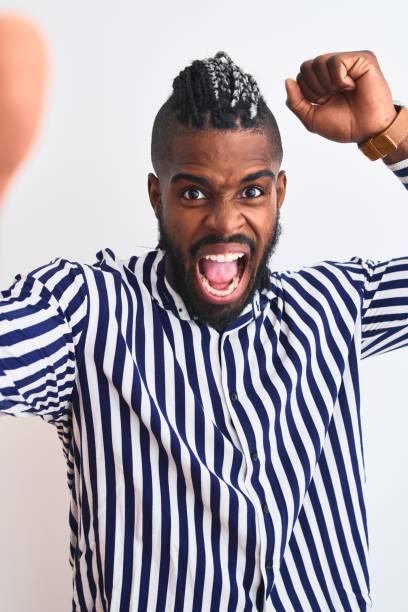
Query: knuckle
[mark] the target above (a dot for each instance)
(370, 55)
(333, 65)
(316, 63)
(305, 65)
(300, 81)
(333, 60)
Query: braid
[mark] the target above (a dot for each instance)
(215, 85)
(229, 79)
(213, 93)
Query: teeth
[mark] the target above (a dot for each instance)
(222, 257)
(218, 292)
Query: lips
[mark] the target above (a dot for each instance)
(226, 266)
(222, 249)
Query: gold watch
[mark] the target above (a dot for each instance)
(383, 144)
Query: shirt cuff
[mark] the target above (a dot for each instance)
(400, 169)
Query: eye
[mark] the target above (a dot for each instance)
(193, 194)
(251, 191)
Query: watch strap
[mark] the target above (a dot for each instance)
(383, 144)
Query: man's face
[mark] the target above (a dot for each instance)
(217, 201)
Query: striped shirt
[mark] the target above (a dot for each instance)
(207, 471)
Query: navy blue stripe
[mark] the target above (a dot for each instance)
(296, 349)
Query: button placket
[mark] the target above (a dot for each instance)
(265, 520)
(253, 490)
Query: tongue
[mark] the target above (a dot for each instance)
(219, 273)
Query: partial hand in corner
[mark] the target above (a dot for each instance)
(23, 75)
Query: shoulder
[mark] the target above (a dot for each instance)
(109, 265)
(53, 278)
(327, 280)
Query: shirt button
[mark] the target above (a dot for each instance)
(269, 564)
(265, 509)
(233, 396)
(254, 456)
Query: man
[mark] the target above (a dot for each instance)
(208, 407)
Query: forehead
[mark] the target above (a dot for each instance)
(221, 151)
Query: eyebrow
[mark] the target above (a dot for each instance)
(180, 176)
(257, 175)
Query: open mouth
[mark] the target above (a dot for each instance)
(221, 273)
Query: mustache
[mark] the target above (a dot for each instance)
(220, 239)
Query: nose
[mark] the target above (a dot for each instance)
(224, 218)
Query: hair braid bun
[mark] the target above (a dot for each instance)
(228, 78)
(212, 93)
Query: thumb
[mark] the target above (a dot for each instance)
(302, 108)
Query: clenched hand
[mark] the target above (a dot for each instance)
(342, 96)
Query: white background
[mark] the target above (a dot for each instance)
(84, 187)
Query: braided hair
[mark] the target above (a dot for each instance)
(213, 93)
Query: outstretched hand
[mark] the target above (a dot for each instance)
(342, 96)
(23, 73)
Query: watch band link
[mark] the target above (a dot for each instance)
(383, 144)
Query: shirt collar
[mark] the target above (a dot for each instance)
(168, 298)
(150, 270)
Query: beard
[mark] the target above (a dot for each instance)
(216, 315)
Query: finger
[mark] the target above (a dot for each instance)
(311, 80)
(298, 104)
(319, 66)
(307, 91)
(339, 73)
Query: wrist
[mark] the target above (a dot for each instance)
(389, 144)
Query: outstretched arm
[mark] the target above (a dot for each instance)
(344, 97)
(43, 318)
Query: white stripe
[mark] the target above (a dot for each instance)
(334, 287)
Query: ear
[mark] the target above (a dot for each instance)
(153, 186)
(281, 182)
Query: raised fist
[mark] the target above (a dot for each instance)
(342, 96)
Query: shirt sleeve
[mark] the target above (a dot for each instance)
(400, 170)
(383, 287)
(385, 295)
(43, 319)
